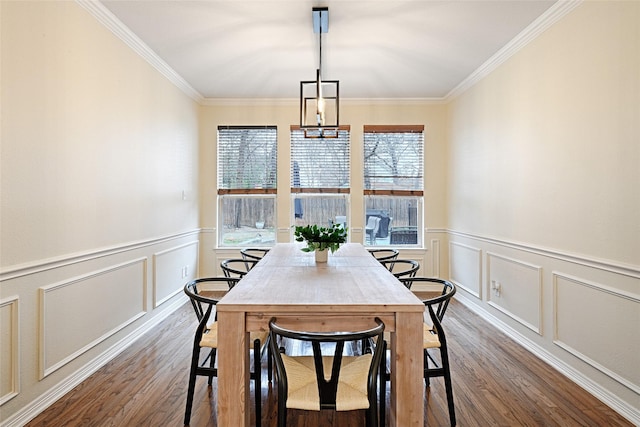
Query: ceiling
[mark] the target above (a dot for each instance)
(377, 49)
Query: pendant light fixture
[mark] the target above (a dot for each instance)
(320, 99)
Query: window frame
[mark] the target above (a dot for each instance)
(400, 192)
(305, 191)
(263, 188)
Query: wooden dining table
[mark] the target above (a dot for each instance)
(345, 293)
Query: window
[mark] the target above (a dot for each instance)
(393, 184)
(247, 159)
(320, 173)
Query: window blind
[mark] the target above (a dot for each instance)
(320, 165)
(247, 159)
(393, 160)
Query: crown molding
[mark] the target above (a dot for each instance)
(289, 102)
(109, 20)
(557, 11)
(241, 102)
(394, 101)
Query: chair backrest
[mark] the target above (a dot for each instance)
(371, 222)
(327, 388)
(237, 267)
(203, 307)
(200, 300)
(402, 267)
(384, 254)
(255, 254)
(376, 227)
(443, 291)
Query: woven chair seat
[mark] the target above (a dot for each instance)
(303, 385)
(429, 337)
(210, 338)
(329, 378)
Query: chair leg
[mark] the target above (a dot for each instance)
(447, 384)
(192, 385)
(383, 386)
(370, 417)
(282, 408)
(269, 363)
(212, 364)
(426, 367)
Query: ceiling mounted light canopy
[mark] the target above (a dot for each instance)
(320, 99)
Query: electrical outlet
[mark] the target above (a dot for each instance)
(496, 287)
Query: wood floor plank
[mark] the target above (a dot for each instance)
(496, 382)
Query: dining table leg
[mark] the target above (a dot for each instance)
(407, 388)
(233, 370)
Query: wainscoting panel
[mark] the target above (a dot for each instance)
(10, 360)
(79, 313)
(604, 332)
(578, 313)
(172, 268)
(515, 288)
(435, 257)
(465, 267)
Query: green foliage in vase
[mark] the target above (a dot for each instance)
(321, 238)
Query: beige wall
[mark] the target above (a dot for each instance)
(97, 148)
(544, 198)
(546, 149)
(100, 144)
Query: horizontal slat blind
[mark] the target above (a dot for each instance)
(247, 159)
(320, 165)
(393, 160)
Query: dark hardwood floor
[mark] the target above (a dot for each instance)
(496, 382)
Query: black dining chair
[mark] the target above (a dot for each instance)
(351, 383)
(206, 338)
(434, 338)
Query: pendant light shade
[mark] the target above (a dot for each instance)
(320, 99)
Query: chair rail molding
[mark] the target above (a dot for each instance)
(602, 264)
(26, 269)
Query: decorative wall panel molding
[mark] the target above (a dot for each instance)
(465, 267)
(79, 313)
(61, 388)
(10, 360)
(607, 316)
(172, 268)
(435, 257)
(515, 288)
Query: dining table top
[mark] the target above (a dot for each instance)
(290, 279)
